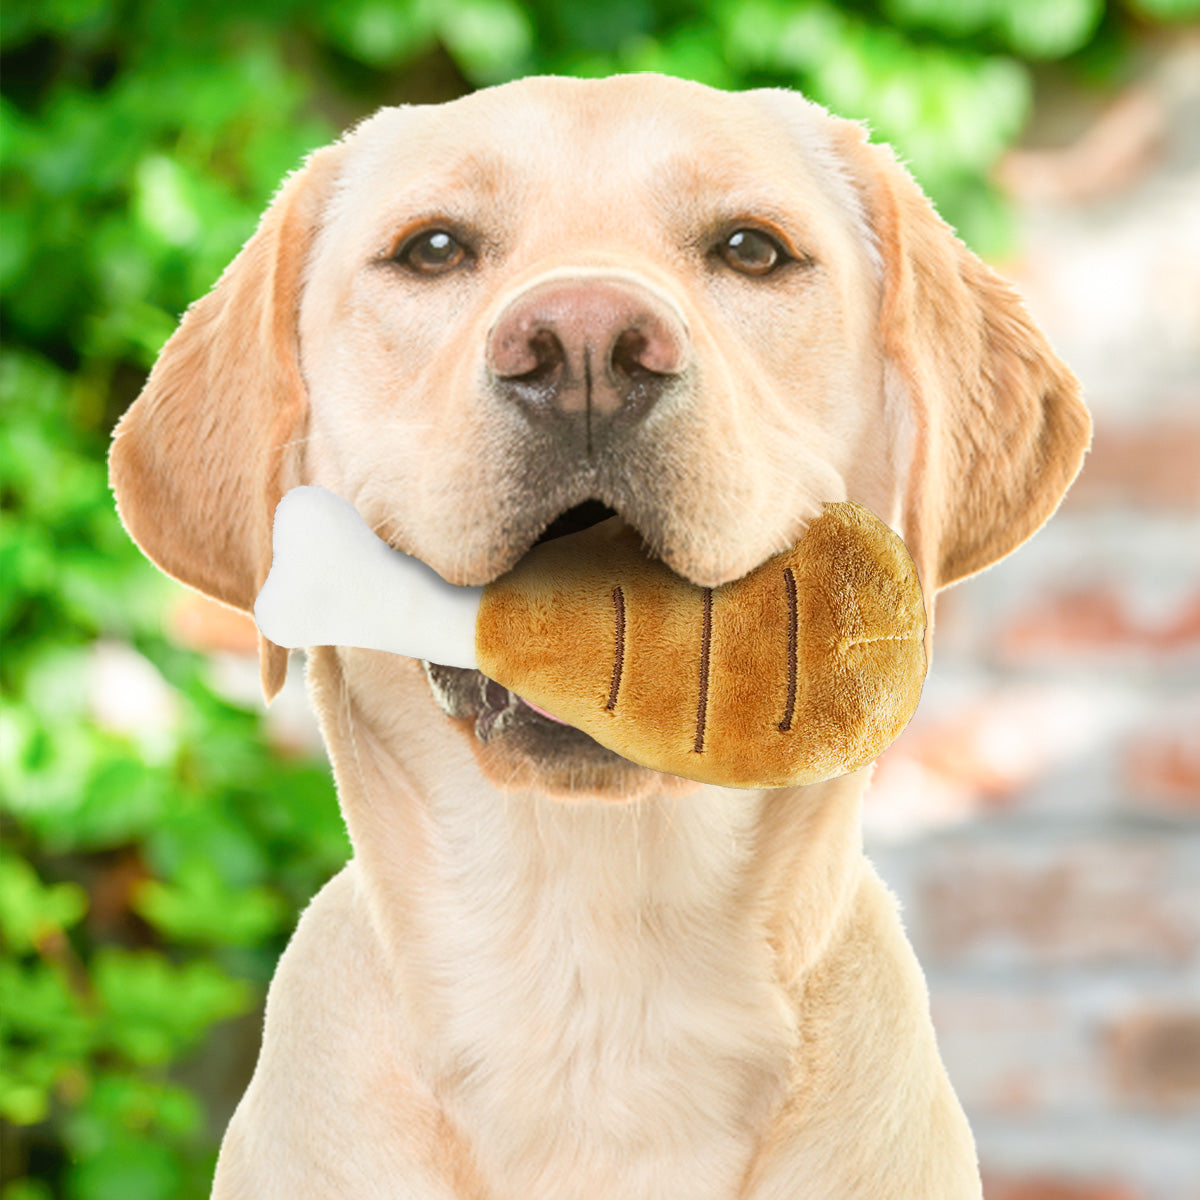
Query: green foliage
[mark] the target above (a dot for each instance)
(1030, 28)
(157, 848)
(490, 40)
(154, 866)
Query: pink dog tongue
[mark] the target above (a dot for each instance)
(543, 713)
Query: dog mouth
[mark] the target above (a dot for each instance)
(494, 712)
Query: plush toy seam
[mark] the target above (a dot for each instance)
(618, 599)
(705, 645)
(789, 712)
(845, 643)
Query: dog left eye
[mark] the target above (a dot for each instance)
(432, 253)
(752, 252)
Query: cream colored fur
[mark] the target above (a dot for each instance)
(524, 987)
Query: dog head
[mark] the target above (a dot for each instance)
(557, 300)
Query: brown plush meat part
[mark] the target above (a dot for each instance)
(806, 668)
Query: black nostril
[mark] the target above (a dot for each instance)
(549, 354)
(627, 351)
(637, 384)
(628, 358)
(547, 349)
(539, 384)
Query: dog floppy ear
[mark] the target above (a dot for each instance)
(999, 429)
(204, 454)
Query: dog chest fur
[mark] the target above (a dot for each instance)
(608, 993)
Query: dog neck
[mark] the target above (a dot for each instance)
(610, 965)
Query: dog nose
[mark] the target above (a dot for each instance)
(596, 346)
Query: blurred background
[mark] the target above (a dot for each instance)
(1039, 817)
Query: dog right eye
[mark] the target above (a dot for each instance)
(433, 252)
(752, 252)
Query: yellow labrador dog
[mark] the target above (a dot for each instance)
(548, 974)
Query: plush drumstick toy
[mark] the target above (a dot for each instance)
(806, 668)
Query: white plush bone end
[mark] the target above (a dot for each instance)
(334, 583)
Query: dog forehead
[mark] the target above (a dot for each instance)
(551, 122)
(542, 142)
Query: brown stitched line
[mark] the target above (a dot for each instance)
(705, 641)
(789, 580)
(619, 658)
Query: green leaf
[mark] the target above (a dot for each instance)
(47, 1034)
(1049, 28)
(379, 32)
(490, 40)
(152, 1011)
(31, 911)
(954, 18)
(22, 1102)
(122, 1104)
(750, 31)
(595, 31)
(200, 907)
(162, 201)
(128, 1169)
(690, 53)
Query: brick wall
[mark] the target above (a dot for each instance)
(1040, 818)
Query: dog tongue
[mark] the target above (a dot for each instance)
(541, 712)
